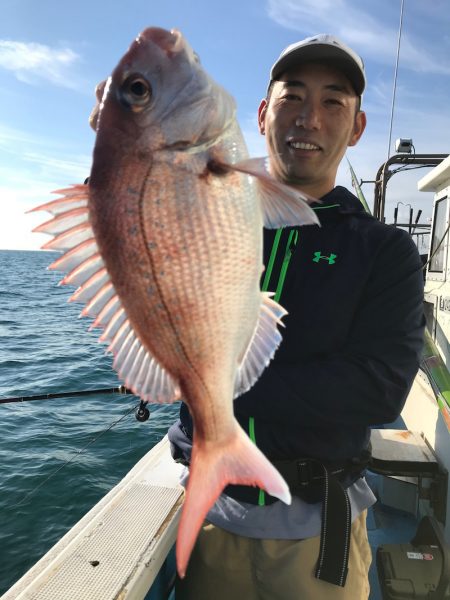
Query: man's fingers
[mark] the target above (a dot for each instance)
(99, 95)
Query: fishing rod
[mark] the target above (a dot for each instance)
(51, 396)
(142, 413)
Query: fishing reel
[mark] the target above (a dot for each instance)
(142, 413)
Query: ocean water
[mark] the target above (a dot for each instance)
(45, 347)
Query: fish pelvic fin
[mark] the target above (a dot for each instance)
(263, 345)
(212, 468)
(282, 205)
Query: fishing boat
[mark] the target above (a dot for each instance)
(414, 457)
(124, 546)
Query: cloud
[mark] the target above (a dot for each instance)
(74, 168)
(368, 33)
(16, 233)
(21, 189)
(31, 168)
(11, 135)
(45, 158)
(32, 62)
(256, 143)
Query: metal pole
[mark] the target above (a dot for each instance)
(419, 212)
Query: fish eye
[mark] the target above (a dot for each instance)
(136, 92)
(196, 57)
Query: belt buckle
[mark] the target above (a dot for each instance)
(304, 472)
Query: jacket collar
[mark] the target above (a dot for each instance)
(340, 200)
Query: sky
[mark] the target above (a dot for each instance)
(53, 53)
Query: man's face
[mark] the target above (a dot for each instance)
(310, 119)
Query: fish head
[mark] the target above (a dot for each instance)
(159, 96)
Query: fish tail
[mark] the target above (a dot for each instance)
(238, 461)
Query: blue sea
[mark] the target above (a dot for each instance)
(45, 347)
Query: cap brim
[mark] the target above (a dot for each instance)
(324, 53)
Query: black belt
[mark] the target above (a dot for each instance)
(332, 564)
(313, 482)
(305, 478)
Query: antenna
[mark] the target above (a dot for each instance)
(395, 78)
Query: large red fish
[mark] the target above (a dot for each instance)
(165, 246)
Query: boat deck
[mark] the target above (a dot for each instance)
(117, 549)
(125, 539)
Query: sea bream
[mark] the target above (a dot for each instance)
(165, 247)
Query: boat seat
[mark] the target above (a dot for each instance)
(404, 453)
(401, 452)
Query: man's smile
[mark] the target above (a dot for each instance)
(301, 145)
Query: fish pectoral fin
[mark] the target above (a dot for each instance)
(266, 339)
(73, 234)
(282, 205)
(239, 462)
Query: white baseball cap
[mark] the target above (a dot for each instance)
(325, 48)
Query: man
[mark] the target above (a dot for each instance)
(353, 291)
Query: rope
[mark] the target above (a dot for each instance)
(437, 248)
(395, 78)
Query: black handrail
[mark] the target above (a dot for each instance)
(384, 175)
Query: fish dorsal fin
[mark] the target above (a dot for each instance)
(73, 197)
(282, 205)
(73, 233)
(263, 345)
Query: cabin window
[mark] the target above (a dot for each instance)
(439, 225)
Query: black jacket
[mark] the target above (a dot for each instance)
(353, 336)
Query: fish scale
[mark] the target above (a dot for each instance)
(195, 290)
(204, 260)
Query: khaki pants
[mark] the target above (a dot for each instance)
(224, 566)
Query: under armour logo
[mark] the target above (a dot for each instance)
(331, 259)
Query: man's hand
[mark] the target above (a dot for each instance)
(94, 114)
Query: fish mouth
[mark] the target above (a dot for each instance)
(169, 41)
(297, 144)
